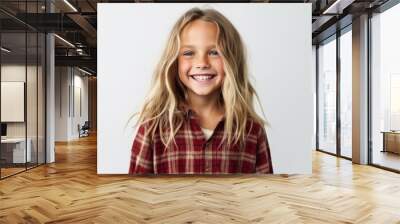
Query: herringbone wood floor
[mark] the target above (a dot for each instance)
(70, 191)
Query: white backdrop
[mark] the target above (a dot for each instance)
(278, 40)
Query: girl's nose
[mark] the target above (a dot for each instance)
(202, 62)
(203, 66)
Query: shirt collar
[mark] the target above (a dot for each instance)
(188, 112)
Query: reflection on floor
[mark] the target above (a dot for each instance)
(386, 159)
(10, 169)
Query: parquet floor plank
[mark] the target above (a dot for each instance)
(70, 191)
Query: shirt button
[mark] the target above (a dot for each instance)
(208, 168)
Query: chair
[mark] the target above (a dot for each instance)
(84, 130)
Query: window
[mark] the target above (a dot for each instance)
(327, 96)
(346, 93)
(385, 89)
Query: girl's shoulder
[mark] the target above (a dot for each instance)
(144, 126)
(254, 127)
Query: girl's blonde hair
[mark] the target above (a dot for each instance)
(160, 110)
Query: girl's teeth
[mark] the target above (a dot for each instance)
(202, 77)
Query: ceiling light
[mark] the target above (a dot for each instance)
(329, 9)
(84, 71)
(70, 5)
(5, 50)
(64, 40)
(338, 6)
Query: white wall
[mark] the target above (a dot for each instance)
(68, 81)
(61, 103)
(79, 117)
(314, 84)
(278, 39)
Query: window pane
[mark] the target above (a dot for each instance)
(327, 97)
(386, 89)
(346, 94)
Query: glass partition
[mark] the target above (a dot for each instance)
(22, 77)
(41, 87)
(31, 100)
(13, 111)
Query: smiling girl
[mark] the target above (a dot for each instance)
(198, 117)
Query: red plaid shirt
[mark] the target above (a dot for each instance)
(193, 154)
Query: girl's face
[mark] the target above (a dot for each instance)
(200, 64)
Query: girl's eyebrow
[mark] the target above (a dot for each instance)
(193, 46)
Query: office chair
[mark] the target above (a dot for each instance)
(84, 130)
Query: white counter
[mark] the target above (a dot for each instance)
(19, 149)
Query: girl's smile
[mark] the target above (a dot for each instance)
(203, 78)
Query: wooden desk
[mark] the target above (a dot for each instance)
(13, 150)
(391, 141)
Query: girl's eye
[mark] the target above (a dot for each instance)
(214, 52)
(187, 53)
